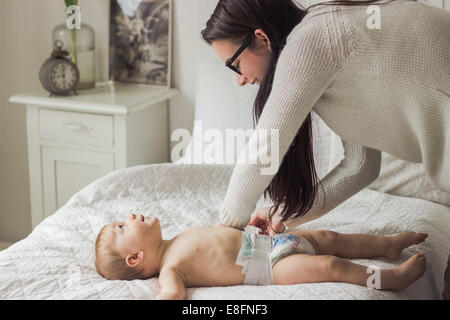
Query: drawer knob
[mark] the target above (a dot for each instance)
(77, 126)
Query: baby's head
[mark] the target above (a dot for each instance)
(129, 250)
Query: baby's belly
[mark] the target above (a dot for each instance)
(213, 273)
(213, 262)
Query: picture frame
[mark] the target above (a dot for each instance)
(141, 42)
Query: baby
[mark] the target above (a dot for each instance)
(222, 256)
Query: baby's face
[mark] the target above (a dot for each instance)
(135, 234)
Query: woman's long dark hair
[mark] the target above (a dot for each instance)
(295, 183)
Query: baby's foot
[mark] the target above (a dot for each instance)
(406, 273)
(402, 241)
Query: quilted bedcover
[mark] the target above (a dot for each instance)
(56, 261)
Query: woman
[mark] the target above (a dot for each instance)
(384, 88)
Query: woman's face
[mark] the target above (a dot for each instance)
(252, 63)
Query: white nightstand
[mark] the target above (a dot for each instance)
(75, 140)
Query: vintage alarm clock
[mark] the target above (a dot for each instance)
(58, 74)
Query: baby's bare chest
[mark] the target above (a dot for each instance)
(208, 259)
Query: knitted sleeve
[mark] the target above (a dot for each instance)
(306, 67)
(359, 168)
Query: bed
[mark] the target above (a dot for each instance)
(56, 261)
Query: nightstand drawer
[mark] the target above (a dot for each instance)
(83, 128)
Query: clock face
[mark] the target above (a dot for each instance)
(64, 76)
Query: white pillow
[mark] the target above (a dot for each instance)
(220, 104)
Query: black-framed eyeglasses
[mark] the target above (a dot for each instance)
(230, 61)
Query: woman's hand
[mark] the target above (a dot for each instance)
(259, 220)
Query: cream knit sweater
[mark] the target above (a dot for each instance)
(384, 89)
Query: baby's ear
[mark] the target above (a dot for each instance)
(134, 259)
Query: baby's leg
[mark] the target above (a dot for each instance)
(360, 245)
(304, 268)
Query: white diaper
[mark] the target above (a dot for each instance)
(254, 257)
(259, 253)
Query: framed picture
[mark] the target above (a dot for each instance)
(140, 41)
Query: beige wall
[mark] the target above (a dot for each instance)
(25, 42)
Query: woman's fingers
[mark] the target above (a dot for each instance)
(278, 226)
(258, 222)
(254, 220)
(259, 219)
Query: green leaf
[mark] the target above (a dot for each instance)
(71, 3)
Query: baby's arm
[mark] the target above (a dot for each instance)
(172, 285)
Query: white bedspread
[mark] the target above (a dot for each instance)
(56, 261)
